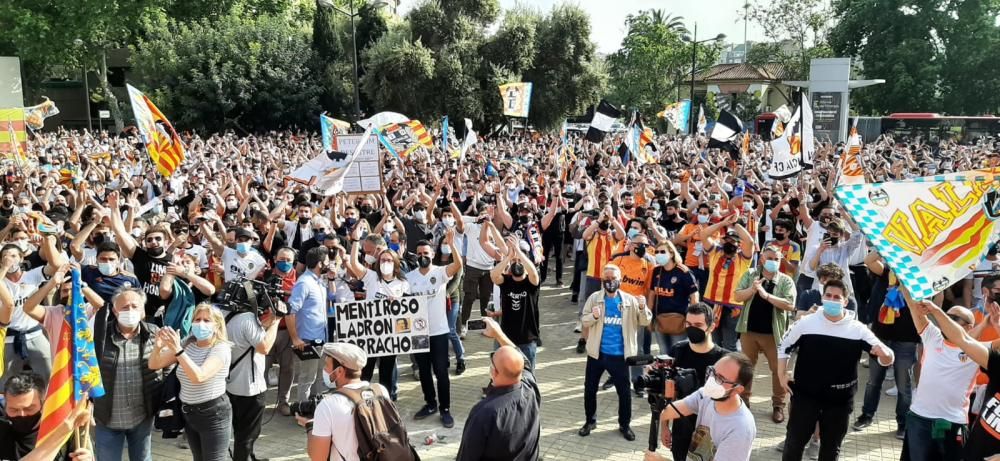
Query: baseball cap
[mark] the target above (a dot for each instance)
(346, 354)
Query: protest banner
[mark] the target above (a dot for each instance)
(383, 326)
(932, 231)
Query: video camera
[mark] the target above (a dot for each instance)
(660, 376)
(244, 295)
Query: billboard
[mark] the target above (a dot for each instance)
(11, 93)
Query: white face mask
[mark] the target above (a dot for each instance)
(369, 259)
(713, 389)
(450, 222)
(420, 216)
(387, 268)
(327, 381)
(389, 227)
(129, 318)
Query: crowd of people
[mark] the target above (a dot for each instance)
(699, 256)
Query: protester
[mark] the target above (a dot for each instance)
(252, 336)
(306, 320)
(519, 281)
(23, 395)
(672, 291)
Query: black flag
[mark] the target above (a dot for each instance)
(604, 118)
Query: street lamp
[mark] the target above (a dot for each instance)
(694, 57)
(354, 44)
(86, 87)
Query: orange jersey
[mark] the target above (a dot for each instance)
(723, 274)
(637, 274)
(599, 251)
(692, 230)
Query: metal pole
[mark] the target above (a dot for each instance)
(354, 45)
(86, 97)
(694, 57)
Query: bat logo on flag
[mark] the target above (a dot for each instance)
(336, 156)
(991, 206)
(878, 197)
(941, 284)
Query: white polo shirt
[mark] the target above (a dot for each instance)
(947, 376)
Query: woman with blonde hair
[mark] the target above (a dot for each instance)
(673, 289)
(202, 368)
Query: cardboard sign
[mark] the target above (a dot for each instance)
(384, 326)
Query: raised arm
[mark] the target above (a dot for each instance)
(125, 240)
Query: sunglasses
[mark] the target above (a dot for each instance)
(662, 252)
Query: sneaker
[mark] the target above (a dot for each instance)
(862, 422)
(459, 367)
(608, 384)
(272, 377)
(585, 430)
(462, 331)
(892, 391)
(890, 375)
(627, 433)
(538, 342)
(900, 433)
(426, 411)
(579, 327)
(780, 447)
(559, 284)
(581, 346)
(640, 393)
(446, 419)
(812, 449)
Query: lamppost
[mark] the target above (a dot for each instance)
(694, 63)
(86, 87)
(354, 44)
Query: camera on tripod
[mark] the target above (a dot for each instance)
(244, 295)
(660, 376)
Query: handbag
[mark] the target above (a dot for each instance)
(670, 323)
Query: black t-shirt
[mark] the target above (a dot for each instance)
(672, 289)
(556, 228)
(149, 271)
(761, 312)
(983, 441)
(415, 232)
(519, 304)
(684, 357)
(13, 445)
(673, 226)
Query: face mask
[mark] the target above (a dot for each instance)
(202, 330)
(662, 259)
(449, 222)
(729, 248)
(832, 308)
(350, 222)
(392, 246)
(570, 189)
(303, 220)
(696, 335)
(319, 236)
(420, 215)
(232, 205)
(522, 219)
(155, 252)
(25, 425)
(714, 390)
(369, 259)
(779, 236)
(284, 266)
(640, 251)
(611, 286)
(366, 209)
(445, 250)
(328, 381)
(130, 318)
(389, 227)
(137, 233)
(517, 270)
(703, 218)
(387, 268)
(107, 269)
(423, 261)
(632, 233)
(242, 247)
(771, 266)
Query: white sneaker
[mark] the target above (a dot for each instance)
(579, 327)
(272, 377)
(812, 449)
(892, 392)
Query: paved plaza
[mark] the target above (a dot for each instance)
(560, 376)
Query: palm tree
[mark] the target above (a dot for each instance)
(675, 23)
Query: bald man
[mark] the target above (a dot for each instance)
(505, 424)
(942, 395)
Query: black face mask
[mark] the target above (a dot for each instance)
(424, 261)
(779, 236)
(303, 220)
(155, 252)
(25, 425)
(366, 209)
(604, 225)
(640, 251)
(8, 204)
(517, 270)
(729, 248)
(696, 335)
(523, 219)
(611, 286)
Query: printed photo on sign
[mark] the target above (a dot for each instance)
(383, 326)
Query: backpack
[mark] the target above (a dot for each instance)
(380, 431)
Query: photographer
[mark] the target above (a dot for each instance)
(725, 426)
(252, 335)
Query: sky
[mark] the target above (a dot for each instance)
(608, 17)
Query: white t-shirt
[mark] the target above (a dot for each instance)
(814, 236)
(432, 286)
(947, 376)
(334, 418)
(376, 288)
(722, 437)
(475, 256)
(248, 266)
(199, 253)
(21, 290)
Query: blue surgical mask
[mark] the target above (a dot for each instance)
(394, 247)
(284, 266)
(632, 233)
(703, 218)
(832, 308)
(772, 265)
(242, 247)
(202, 330)
(662, 259)
(319, 236)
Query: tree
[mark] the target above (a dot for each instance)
(674, 23)
(249, 73)
(399, 71)
(798, 30)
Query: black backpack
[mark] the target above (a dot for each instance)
(380, 431)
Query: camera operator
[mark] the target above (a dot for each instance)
(725, 426)
(252, 336)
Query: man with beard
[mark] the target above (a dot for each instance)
(672, 221)
(149, 261)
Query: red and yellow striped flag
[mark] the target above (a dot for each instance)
(162, 142)
(59, 400)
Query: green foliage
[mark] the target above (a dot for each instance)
(398, 72)
(248, 73)
(799, 31)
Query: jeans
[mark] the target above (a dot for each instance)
(476, 285)
(665, 342)
(248, 414)
(207, 426)
(725, 329)
(387, 375)
(108, 443)
(456, 342)
(615, 366)
(310, 377)
(906, 356)
(286, 359)
(529, 350)
(554, 245)
(435, 361)
(803, 415)
(920, 444)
